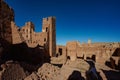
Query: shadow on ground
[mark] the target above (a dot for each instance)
(76, 75)
(112, 75)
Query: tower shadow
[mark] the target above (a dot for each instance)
(76, 75)
(112, 75)
(92, 73)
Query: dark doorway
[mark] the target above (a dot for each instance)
(94, 58)
(46, 29)
(60, 51)
(68, 57)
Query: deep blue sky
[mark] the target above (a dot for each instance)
(98, 20)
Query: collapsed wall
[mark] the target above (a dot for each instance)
(6, 16)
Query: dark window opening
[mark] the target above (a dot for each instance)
(57, 55)
(44, 39)
(18, 29)
(110, 50)
(60, 51)
(46, 29)
(26, 36)
(68, 57)
(104, 46)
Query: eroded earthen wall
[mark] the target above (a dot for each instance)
(72, 50)
(6, 16)
(98, 52)
(16, 36)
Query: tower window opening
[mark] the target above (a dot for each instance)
(46, 29)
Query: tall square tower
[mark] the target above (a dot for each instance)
(50, 27)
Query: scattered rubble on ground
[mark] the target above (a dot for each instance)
(12, 70)
(45, 72)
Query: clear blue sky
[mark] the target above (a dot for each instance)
(98, 20)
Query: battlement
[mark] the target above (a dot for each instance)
(48, 18)
(29, 23)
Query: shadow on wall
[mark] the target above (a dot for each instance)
(116, 52)
(111, 75)
(76, 75)
(21, 52)
(112, 63)
(29, 58)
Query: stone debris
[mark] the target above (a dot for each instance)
(46, 72)
(12, 71)
(72, 70)
(51, 72)
(33, 76)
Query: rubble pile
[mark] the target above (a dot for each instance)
(70, 70)
(46, 72)
(11, 71)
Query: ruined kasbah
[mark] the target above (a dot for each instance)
(24, 51)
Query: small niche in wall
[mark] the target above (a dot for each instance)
(44, 39)
(26, 36)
